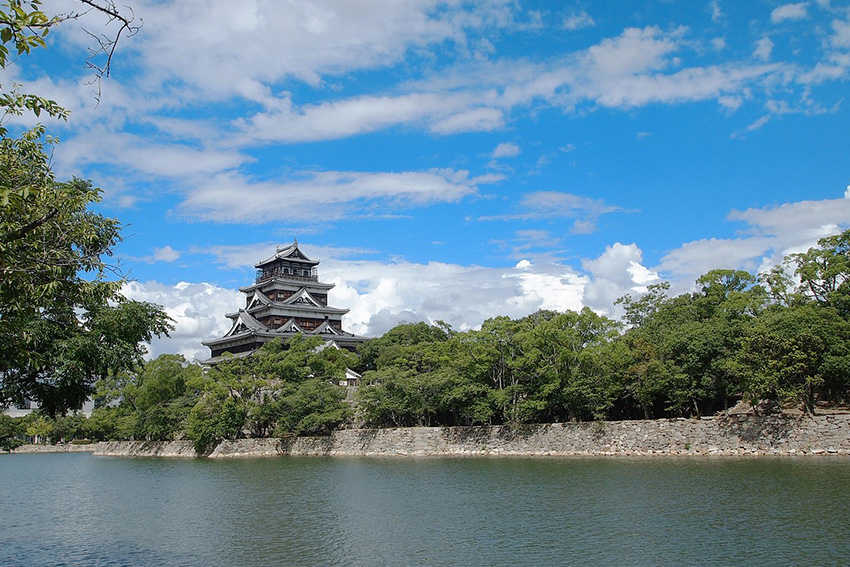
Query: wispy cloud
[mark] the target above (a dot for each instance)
(325, 195)
(577, 21)
(554, 205)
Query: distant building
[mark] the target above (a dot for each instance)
(286, 299)
(30, 406)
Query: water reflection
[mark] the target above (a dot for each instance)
(74, 509)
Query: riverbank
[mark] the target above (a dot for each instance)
(726, 435)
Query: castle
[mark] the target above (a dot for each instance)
(286, 299)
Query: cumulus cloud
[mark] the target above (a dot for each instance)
(616, 272)
(197, 310)
(841, 33)
(771, 233)
(165, 254)
(786, 12)
(382, 294)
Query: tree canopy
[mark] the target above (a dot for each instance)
(63, 323)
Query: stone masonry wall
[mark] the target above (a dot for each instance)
(730, 435)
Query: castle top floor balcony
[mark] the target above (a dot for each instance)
(306, 275)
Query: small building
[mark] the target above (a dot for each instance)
(285, 299)
(29, 406)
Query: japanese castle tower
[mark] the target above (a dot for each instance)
(286, 298)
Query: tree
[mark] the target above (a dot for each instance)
(824, 272)
(64, 323)
(163, 380)
(9, 433)
(24, 27)
(312, 407)
(40, 428)
(796, 354)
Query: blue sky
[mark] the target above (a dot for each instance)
(456, 160)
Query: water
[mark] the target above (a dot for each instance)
(75, 509)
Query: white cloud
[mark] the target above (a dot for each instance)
(695, 258)
(141, 155)
(803, 221)
(764, 47)
(717, 14)
(324, 195)
(616, 272)
(338, 119)
(473, 120)
(786, 12)
(578, 20)
(555, 204)
(841, 33)
(771, 234)
(506, 149)
(383, 294)
(209, 45)
(197, 310)
(165, 254)
(635, 68)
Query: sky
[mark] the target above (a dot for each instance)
(453, 160)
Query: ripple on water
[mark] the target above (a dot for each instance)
(75, 509)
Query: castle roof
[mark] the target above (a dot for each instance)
(289, 253)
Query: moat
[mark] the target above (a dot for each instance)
(76, 509)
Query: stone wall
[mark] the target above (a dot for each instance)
(731, 435)
(146, 449)
(89, 448)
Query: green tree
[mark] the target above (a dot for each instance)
(565, 376)
(10, 432)
(64, 323)
(797, 354)
(312, 407)
(164, 379)
(213, 419)
(111, 423)
(824, 272)
(40, 428)
(69, 427)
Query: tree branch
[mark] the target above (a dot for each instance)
(27, 228)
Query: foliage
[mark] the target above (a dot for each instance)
(734, 337)
(312, 407)
(64, 323)
(10, 433)
(794, 353)
(112, 424)
(214, 419)
(24, 26)
(824, 272)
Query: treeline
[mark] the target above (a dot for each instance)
(779, 338)
(282, 390)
